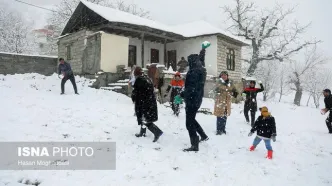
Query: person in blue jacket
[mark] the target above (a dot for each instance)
(65, 69)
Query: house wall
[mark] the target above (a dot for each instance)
(114, 52)
(193, 46)
(76, 41)
(147, 51)
(223, 45)
(91, 54)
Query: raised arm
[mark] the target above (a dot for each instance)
(202, 57)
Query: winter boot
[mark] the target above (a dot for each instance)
(218, 132)
(224, 132)
(155, 130)
(252, 148)
(194, 145)
(269, 154)
(204, 138)
(141, 133)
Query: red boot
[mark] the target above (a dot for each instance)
(269, 154)
(252, 148)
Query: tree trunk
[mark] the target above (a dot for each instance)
(281, 92)
(316, 100)
(264, 96)
(308, 100)
(253, 64)
(298, 97)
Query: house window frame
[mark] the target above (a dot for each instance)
(230, 59)
(69, 52)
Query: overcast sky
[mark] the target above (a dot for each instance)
(180, 11)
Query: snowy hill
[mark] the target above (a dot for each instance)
(33, 110)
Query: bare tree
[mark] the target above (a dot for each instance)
(317, 81)
(268, 73)
(271, 36)
(62, 13)
(283, 86)
(299, 73)
(14, 32)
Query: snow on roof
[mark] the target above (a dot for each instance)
(28, 55)
(193, 29)
(114, 15)
(199, 28)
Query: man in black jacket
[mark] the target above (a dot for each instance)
(193, 97)
(145, 104)
(328, 108)
(67, 73)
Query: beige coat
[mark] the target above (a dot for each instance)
(223, 98)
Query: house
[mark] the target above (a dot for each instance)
(101, 38)
(42, 38)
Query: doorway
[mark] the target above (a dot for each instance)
(171, 56)
(154, 55)
(132, 55)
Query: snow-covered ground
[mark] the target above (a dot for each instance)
(33, 110)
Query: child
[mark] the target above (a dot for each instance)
(266, 130)
(176, 87)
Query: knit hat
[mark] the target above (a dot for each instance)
(138, 71)
(264, 111)
(223, 72)
(327, 91)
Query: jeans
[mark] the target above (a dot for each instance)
(72, 80)
(257, 140)
(329, 122)
(221, 123)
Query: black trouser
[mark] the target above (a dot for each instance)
(252, 110)
(329, 122)
(72, 80)
(193, 126)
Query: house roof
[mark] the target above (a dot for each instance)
(203, 28)
(194, 29)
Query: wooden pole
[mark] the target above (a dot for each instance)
(165, 54)
(142, 51)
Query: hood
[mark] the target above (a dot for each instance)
(193, 61)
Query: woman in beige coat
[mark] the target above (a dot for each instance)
(224, 90)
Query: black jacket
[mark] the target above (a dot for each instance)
(195, 80)
(251, 97)
(145, 99)
(265, 127)
(328, 102)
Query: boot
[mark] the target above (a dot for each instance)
(269, 154)
(218, 132)
(141, 133)
(194, 145)
(252, 148)
(156, 131)
(224, 132)
(204, 138)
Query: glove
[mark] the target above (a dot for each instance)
(206, 44)
(250, 133)
(235, 94)
(259, 82)
(273, 137)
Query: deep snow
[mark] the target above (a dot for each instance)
(33, 110)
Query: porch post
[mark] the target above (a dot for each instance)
(165, 54)
(142, 51)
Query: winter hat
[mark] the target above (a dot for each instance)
(264, 111)
(223, 72)
(138, 71)
(327, 91)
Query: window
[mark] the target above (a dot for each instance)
(132, 55)
(154, 56)
(69, 53)
(230, 59)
